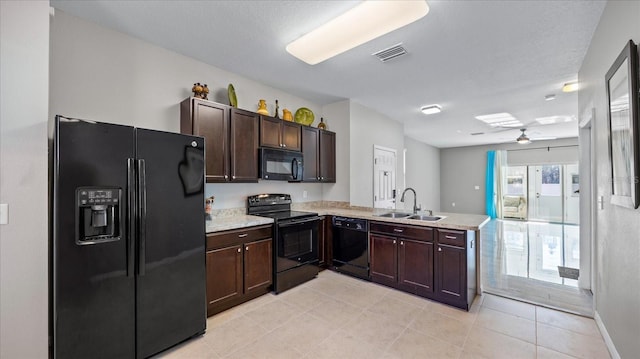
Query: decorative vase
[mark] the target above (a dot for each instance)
(262, 108)
(277, 108)
(287, 115)
(322, 125)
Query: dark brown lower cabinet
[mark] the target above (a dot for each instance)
(239, 267)
(384, 259)
(434, 263)
(415, 266)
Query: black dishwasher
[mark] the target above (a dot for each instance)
(351, 246)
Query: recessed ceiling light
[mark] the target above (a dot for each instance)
(431, 109)
(550, 97)
(570, 86)
(502, 119)
(363, 23)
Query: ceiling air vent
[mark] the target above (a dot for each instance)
(390, 53)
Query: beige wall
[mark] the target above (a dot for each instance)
(423, 173)
(464, 168)
(617, 249)
(337, 116)
(107, 76)
(24, 70)
(370, 128)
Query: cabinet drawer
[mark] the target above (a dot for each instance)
(454, 238)
(238, 236)
(418, 233)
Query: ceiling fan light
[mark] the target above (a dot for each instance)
(523, 139)
(570, 86)
(431, 109)
(363, 23)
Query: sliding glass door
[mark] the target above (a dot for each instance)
(542, 193)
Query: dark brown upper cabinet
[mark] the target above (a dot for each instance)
(231, 139)
(276, 133)
(319, 150)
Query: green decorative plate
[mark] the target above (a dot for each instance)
(233, 100)
(304, 116)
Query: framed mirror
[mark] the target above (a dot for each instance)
(622, 113)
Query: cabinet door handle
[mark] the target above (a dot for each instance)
(471, 244)
(394, 241)
(450, 237)
(239, 250)
(242, 235)
(401, 243)
(439, 249)
(398, 230)
(225, 176)
(284, 145)
(246, 248)
(233, 177)
(318, 178)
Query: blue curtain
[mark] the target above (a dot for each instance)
(490, 191)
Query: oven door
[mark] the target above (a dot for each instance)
(297, 242)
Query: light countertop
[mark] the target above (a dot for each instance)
(218, 224)
(470, 222)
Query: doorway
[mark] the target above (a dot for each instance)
(554, 192)
(384, 177)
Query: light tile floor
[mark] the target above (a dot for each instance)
(336, 316)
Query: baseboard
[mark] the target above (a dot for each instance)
(605, 335)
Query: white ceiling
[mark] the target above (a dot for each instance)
(471, 57)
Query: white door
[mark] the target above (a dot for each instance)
(545, 193)
(384, 177)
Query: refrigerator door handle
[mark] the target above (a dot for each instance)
(131, 215)
(142, 216)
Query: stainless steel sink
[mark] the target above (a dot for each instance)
(426, 218)
(394, 215)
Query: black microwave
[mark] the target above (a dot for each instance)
(280, 165)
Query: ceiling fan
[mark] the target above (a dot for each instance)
(523, 139)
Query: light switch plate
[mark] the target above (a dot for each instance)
(4, 213)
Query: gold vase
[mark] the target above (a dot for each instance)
(262, 108)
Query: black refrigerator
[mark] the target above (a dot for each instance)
(127, 243)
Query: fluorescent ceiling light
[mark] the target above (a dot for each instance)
(570, 86)
(502, 119)
(431, 109)
(554, 119)
(362, 23)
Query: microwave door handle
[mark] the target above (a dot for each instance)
(294, 168)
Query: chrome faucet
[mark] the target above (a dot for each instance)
(415, 207)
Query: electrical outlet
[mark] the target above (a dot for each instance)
(4, 213)
(304, 194)
(476, 187)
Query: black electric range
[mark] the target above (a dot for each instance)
(295, 239)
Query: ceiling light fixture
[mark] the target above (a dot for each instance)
(550, 97)
(362, 23)
(431, 109)
(502, 119)
(570, 86)
(523, 139)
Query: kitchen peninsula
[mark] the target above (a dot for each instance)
(437, 260)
